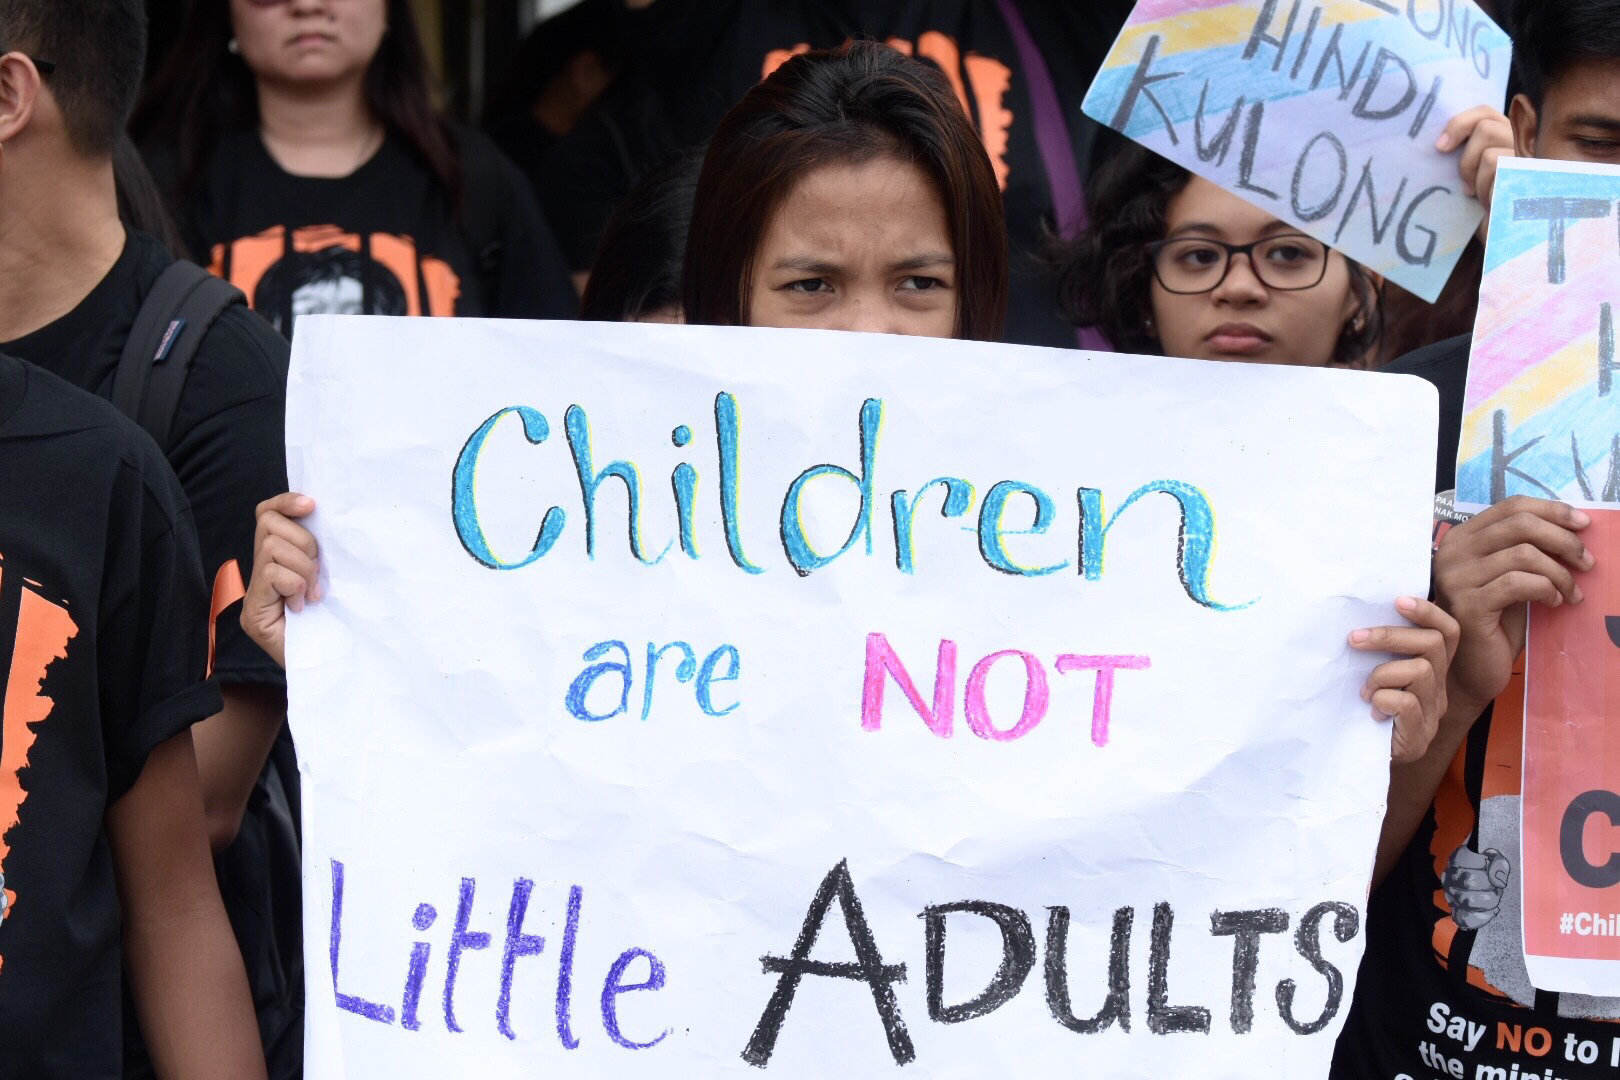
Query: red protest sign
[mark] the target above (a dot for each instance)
(1571, 803)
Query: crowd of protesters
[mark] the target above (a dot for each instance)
(907, 167)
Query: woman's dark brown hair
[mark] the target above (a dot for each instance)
(856, 103)
(1105, 275)
(205, 91)
(637, 269)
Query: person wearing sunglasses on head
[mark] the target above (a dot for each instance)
(297, 139)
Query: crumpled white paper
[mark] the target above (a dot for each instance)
(623, 896)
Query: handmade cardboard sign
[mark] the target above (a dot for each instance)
(1323, 113)
(1541, 418)
(1542, 413)
(1571, 802)
(697, 701)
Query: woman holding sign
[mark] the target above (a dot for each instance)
(1179, 266)
(847, 191)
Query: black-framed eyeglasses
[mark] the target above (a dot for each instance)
(45, 67)
(1193, 265)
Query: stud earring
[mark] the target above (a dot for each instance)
(233, 48)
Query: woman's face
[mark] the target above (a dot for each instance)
(858, 247)
(1243, 318)
(308, 42)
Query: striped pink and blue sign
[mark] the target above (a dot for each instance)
(1323, 112)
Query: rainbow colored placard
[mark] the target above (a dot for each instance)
(1325, 114)
(1542, 409)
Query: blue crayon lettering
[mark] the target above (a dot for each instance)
(383, 1014)
(958, 501)
(794, 541)
(993, 546)
(591, 481)
(565, 972)
(464, 503)
(416, 973)
(517, 944)
(462, 939)
(683, 671)
(725, 433)
(581, 686)
(612, 988)
(706, 678)
(1195, 544)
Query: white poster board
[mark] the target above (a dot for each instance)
(1129, 826)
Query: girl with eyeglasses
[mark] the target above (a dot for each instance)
(1177, 266)
(285, 131)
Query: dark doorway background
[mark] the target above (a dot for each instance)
(471, 42)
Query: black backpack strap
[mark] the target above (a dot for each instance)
(178, 312)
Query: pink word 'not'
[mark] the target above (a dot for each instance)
(940, 716)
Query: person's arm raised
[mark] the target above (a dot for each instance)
(1486, 572)
(285, 572)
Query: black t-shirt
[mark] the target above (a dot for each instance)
(227, 446)
(693, 59)
(385, 240)
(1449, 955)
(103, 648)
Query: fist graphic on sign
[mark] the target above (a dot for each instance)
(1474, 884)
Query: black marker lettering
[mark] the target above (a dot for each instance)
(1017, 959)
(1557, 212)
(868, 968)
(1342, 173)
(1439, 22)
(1379, 229)
(1245, 927)
(1502, 460)
(1307, 940)
(1259, 37)
(1116, 1007)
(1401, 246)
(1217, 149)
(1305, 43)
(1425, 109)
(1363, 107)
(1570, 847)
(1165, 1019)
(1251, 145)
(1141, 80)
(1332, 53)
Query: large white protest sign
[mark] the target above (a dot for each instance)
(689, 701)
(1323, 112)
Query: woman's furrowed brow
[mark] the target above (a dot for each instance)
(926, 260)
(807, 264)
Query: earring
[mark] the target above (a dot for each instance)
(233, 48)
